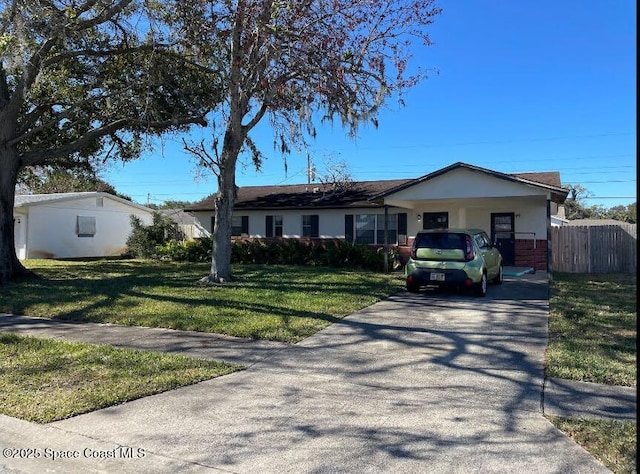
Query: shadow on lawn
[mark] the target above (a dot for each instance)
(119, 291)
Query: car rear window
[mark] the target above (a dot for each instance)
(440, 241)
(440, 246)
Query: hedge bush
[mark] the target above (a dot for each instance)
(283, 252)
(145, 241)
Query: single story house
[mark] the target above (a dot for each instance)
(515, 210)
(69, 225)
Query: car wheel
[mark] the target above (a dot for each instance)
(499, 277)
(481, 288)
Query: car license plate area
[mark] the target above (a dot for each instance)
(436, 277)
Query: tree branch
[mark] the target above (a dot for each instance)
(36, 157)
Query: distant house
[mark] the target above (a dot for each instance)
(559, 219)
(515, 209)
(188, 224)
(69, 225)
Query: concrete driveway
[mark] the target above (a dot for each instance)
(427, 383)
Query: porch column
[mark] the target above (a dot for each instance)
(548, 237)
(462, 217)
(386, 239)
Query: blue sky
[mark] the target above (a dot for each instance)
(520, 86)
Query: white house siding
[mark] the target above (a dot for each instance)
(464, 183)
(331, 221)
(476, 213)
(52, 228)
(205, 219)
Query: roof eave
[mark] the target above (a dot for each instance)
(68, 197)
(560, 193)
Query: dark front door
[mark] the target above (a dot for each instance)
(502, 228)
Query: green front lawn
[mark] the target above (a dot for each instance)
(44, 380)
(592, 328)
(282, 303)
(614, 443)
(592, 338)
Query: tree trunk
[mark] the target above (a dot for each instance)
(10, 267)
(225, 200)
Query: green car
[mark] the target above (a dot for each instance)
(463, 258)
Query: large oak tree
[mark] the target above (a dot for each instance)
(80, 78)
(293, 63)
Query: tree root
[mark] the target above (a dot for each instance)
(212, 280)
(18, 275)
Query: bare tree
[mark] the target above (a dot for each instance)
(337, 178)
(295, 63)
(79, 78)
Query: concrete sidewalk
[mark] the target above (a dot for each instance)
(415, 383)
(572, 399)
(234, 350)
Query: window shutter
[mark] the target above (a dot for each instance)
(402, 223)
(348, 228)
(402, 228)
(315, 225)
(213, 223)
(86, 226)
(245, 225)
(269, 226)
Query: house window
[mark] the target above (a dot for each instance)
(435, 220)
(239, 226)
(99, 202)
(369, 229)
(274, 226)
(310, 226)
(86, 226)
(277, 226)
(365, 229)
(392, 227)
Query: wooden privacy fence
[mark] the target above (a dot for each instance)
(594, 249)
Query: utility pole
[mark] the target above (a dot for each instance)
(311, 175)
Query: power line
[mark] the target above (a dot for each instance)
(492, 142)
(610, 197)
(609, 181)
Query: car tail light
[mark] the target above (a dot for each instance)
(469, 253)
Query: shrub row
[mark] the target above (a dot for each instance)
(283, 252)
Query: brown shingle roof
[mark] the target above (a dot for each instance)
(552, 178)
(294, 196)
(360, 194)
